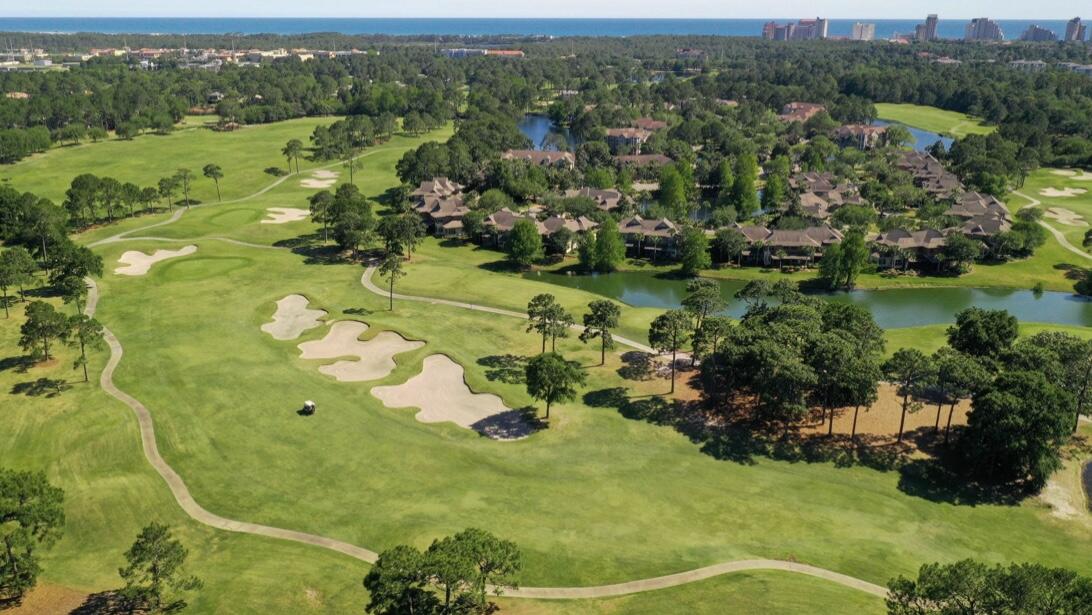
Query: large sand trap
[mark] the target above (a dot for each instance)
(283, 215)
(375, 357)
(320, 179)
(292, 318)
(1064, 172)
(1064, 192)
(1065, 216)
(138, 263)
(442, 395)
(325, 174)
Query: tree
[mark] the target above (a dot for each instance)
(31, 516)
(907, 368)
(155, 571)
(391, 269)
(551, 378)
(844, 261)
(729, 244)
(673, 192)
(1015, 429)
(693, 251)
(960, 251)
(610, 247)
(983, 333)
(320, 207)
(968, 587)
(602, 316)
(167, 187)
(184, 176)
(703, 298)
(43, 325)
(495, 562)
(73, 290)
(401, 232)
(839, 371)
(352, 164)
(956, 377)
(215, 173)
(291, 151)
(670, 332)
(743, 197)
(84, 332)
(71, 260)
(17, 268)
(398, 583)
(1068, 365)
(524, 244)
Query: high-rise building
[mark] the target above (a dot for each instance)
(983, 29)
(1037, 34)
(927, 31)
(1075, 30)
(804, 30)
(863, 32)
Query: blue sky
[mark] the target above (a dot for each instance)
(998, 9)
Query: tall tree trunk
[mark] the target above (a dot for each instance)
(948, 427)
(83, 360)
(392, 294)
(830, 428)
(853, 432)
(218, 199)
(602, 347)
(7, 312)
(902, 421)
(672, 370)
(937, 427)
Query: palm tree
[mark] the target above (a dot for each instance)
(215, 173)
(292, 151)
(352, 164)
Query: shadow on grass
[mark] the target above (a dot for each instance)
(1072, 272)
(42, 387)
(20, 363)
(510, 425)
(502, 266)
(506, 368)
(358, 311)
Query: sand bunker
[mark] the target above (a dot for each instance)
(1064, 192)
(375, 357)
(292, 318)
(283, 215)
(442, 395)
(1082, 176)
(1065, 216)
(138, 263)
(1064, 172)
(320, 179)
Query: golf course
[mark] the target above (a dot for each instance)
(227, 315)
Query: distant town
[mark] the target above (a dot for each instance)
(979, 29)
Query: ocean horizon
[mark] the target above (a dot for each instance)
(443, 26)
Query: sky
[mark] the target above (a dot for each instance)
(695, 9)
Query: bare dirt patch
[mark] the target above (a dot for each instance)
(1062, 193)
(441, 393)
(284, 215)
(47, 598)
(293, 318)
(138, 263)
(1065, 216)
(374, 358)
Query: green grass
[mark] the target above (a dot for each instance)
(243, 155)
(930, 338)
(1081, 204)
(597, 498)
(948, 123)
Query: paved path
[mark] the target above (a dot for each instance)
(366, 281)
(190, 506)
(1033, 202)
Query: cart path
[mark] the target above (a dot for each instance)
(366, 281)
(197, 512)
(1034, 202)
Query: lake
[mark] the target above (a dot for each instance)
(538, 128)
(892, 309)
(923, 139)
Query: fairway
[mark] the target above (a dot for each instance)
(599, 497)
(948, 123)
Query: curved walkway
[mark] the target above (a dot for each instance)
(1033, 202)
(197, 512)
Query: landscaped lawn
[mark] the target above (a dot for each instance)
(949, 123)
(1064, 191)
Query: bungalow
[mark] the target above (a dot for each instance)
(541, 158)
(901, 248)
(443, 215)
(800, 112)
(652, 236)
(605, 200)
(974, 204)
(501, 222)
(929, 174)
(440, 187)
(649, 124)
(802, 247)
(985, 227)
(861, 136)
(629, 138)
(576, 226)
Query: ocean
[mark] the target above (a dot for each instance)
(885, 28)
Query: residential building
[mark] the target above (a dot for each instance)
(983, 29)
(542, 158)
(803, 30)
(649, 124)
(628, 139)
(927, 31)
(653, 237)
(929, 174)
(975, 204)
(1084, 69)
(469, 53)
(800, 111)
(1075, 30)
(643, 160)
(438, 187)
(443, 216)
(606, 200)
(860, 136)
(1038, 34)
(1029, 66)
(799, 247)
(863, 32)
(901, 248)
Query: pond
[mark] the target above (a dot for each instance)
(923, 139)
(542, 131)
(892, 309)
